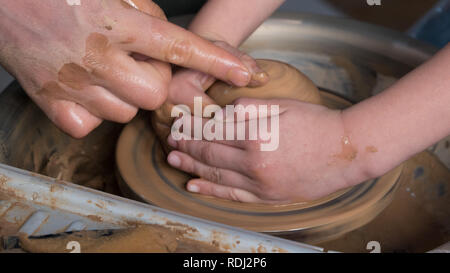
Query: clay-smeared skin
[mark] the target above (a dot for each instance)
(371, 149)
(145, 6)
(74, 76)
(348, 152)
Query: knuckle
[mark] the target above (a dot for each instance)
(249, 164)
(64, 120)
(222, 44)
(179, 52)
(157, 97)
(267, 191)
(233, 194)
(206, 153)
(126, 115)
(181, 144)
(260, 168)
(215, 175)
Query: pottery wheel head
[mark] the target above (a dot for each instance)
(145, 175)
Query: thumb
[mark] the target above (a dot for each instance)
(187, 84)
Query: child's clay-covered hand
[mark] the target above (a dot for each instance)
(312, 158)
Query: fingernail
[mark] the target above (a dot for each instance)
(239, 77)
(174, 160)
(193, 188)
(172, 142)
(259, 78)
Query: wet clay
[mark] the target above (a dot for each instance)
(52, 89)
(145, 6)
(74, 76)
(39, 146)
(285, 82)
(141, 239)
(97, 45)
(348, 152)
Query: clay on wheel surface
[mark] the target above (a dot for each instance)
(286, 82)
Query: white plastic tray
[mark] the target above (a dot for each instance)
(39, 205)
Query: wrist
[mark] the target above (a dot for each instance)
(354, 168)
(373, 157)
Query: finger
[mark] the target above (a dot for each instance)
(146, 6)
(142, 84)
(103, 104)
(169, 43)
(217, 131)
(212, 154)
(220, 176)
(76, 86)
(187, 84)
(259, 76)
(224, 192)
(71, 117)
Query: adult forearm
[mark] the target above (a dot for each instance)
(405, 119)
(232, 21)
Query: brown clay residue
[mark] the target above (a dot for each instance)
(279, 250)
(261, 249)
(56, 188)
(95, 218)
(371, 149)
(97, 45)
(348, 152)
(3, 179)
(187, 228)
(145, 6)
(100, 205)
(260, 78)
(108, 27)
(144, 239)
(52, 89)
(74, 76)
(140, 239)
(128, 40)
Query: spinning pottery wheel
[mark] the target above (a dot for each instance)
(145, 174)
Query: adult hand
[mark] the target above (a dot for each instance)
(314, 158)
(101, 60)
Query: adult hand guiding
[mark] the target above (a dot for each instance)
(102, 60)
